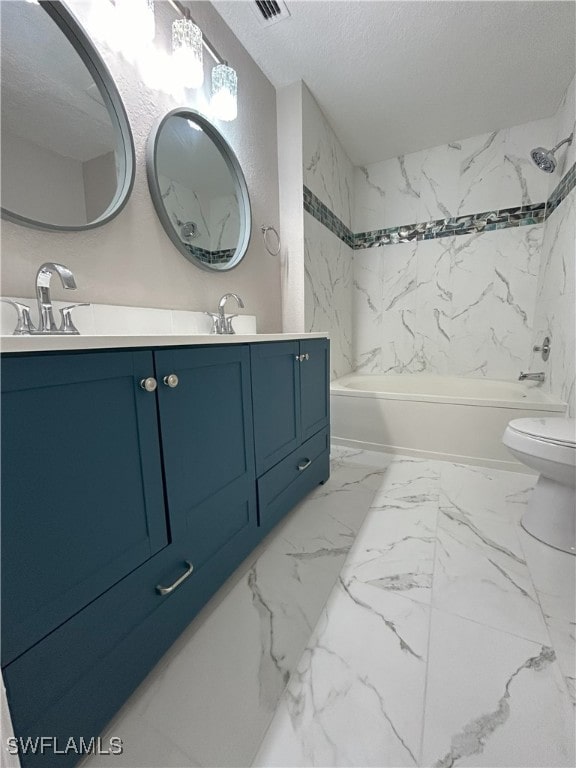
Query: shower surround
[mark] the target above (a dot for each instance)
(451, 305)
(455, 267)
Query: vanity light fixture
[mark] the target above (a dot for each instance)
(224, 96)
(224, 102)
(187, 52)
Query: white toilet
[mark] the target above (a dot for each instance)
(549, 447)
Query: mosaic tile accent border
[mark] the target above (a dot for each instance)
(562, 191)
(460, 225)
(211, 257)
(315, 207)
(429, 230)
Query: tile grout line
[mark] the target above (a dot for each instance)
(430, 614)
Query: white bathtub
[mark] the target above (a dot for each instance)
(441, 417)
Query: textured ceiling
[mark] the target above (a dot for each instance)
(396, 77)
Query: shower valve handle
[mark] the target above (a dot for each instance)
(544, 348)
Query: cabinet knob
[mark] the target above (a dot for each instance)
(149, 384)
(171, 380)
(306, 356)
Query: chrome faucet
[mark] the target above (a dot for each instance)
(220, 323)
(532, 376)
(46, 322)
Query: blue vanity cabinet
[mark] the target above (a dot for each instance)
(82, 494)
(124, 510)
(290, 391)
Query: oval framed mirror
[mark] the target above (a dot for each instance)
(199, 190)
(68, 158)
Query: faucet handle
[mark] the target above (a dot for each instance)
(67, 325)
(216, 322)
(229, 327)
(24, 326)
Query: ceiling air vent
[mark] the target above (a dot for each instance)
(270, 11)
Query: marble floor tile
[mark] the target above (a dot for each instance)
(480, 571)
(493, 699)
(554, 576)
(479, 575)
(485, 492)
(395, 548)
(357, 695)
(563, 637)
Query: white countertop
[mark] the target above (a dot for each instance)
(64, 343)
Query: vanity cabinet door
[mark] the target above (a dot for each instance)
(314, 386)
(82, 497)
(276, 398)
(208, 448)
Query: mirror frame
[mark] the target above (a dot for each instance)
(124, 150)
(235, 170)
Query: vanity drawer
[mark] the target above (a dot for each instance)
(287, 482)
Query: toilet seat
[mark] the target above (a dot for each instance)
(550, 439)
(553, 430)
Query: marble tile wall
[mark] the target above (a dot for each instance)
(329, 176)
(564, 124)
(471, 304)
(453, 306)
(458, 288)
(555, 302)
(556, 293)
(483, 173)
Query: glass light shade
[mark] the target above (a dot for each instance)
(224, 101)
(187, 52)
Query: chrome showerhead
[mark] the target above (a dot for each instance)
(544, 158)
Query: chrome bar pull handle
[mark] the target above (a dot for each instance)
(171, 380)
(168, 590)
(304, 465)
(148, 384)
